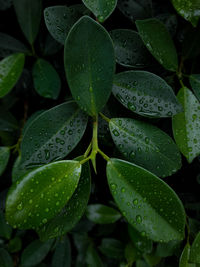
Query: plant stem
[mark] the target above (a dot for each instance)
(103, 155)
(94, 142)
(85, 160)
(104, 117)
(88, 150)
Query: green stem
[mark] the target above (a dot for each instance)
(94, 143)
(103, 155)
(33, 51)
(104, 117)
(85, 160)
(88, 150)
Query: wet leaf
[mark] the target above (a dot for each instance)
(89, 64)
(158, 41)
(195, 250)
(8, 122)
(145, 145)
(4, 157)
(112, 248)
(10, 70)
(48, 139)
(147, 202)
(184, 259)
(5, 258)
(47, 83)
(62, 254)
(38, 196)
(186, 125)
(5, 229)
(145, 94)
(195, 84)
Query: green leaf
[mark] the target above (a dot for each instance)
(195, 251)
(5, 258)
(5, 4)
(89, 64)
(72, 212)
(188, 9)
(54, 133)
(92, 257)
(131, 253)
(195, 84)
(15, 244)
(62, 254)
(4, 157)
(146, 145)
(167, 249)
(18, 171)
(38, 196)
(46, 80)
(184, 259)
(124, 41)
(35, 252)
(5, 229)
(29, 15)
(102, 214)
(147, 202)
(145, 94)
(158, 41)
(112, 248)
(186, 125)
(102, 9)
(11, 69)
(60, 19)
(8, 122)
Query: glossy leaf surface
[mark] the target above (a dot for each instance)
(10, 70)
(29, 15)
(148, 203)
(145, 94)
(186, 125)
(89, 64)
(102, 214)
(145, 145)
(42, 193)
(184, 259)
(62, 254)
(47, 83)
(47, 139)
(188, 9)
(195, 84)
(130, 50)
(158, 41)
(102, 9)
(4, 157)
(195, 251)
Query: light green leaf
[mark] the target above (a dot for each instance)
(89, 64)
(195, 84)
(146, 145)
(62, 254)
(29, 15)
(46, 80)
(39, 195)
(5, 258)
(158, 41)
(131, 253)
(186, 125)
(11, 69)
(147, 202)
(54, 133)
(195, 250)
(145, 94)
(4, 157)
(102, 9)
(184, 259)
(188, 9)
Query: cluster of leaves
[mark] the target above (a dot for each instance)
(78, 87)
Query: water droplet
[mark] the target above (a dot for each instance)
(123, 190)
(138, 219)
(115, 132)
(47, 209)
(113, 186)
(143, 233)
(70, 132)
(131, 106)
(44, 220)
(57, 203)
(30, 201)
(135, 201)
(19, 207)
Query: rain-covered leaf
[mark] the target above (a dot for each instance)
(146, 145)
(5, 229)
(60, 19)
(167, 249)
(186, 125)
(130, 50)
(147, 202)
(38, 196)
(112, 248)
(102, 214)
(5, 4)
(89, 64)
(5, 258)
(72, 212)
(170, 22)
(62, 254)
(131, 253)
(195, 250)
(51, 46)
(9, 45)
(102, 9)
(53, 134)
(92, 257)
(146, 94)
(184, 258)
(188, 9)
(35, 252)
(17, 170)
(29, 15)
(195, 84)
(46, 80)
(4, 157)
(158, 41)
(10, 70)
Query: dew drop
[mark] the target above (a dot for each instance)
(19, 207)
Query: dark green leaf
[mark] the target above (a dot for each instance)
(53, 134)
(195, 250)
(102, 9)
(62, 254)
(29, 15)
(195, 84)
(14, 244)
(5, 229)
(5, 4)
(167, 249)
(51, 46)
(158, 41)
(8, 122)
(130, 51)
(188, 9)
(38, 196)
(102, 214)
(146, 145)
(186, 125)
(146, 94)
(89, 64)
(18, 171)
(35, 252)
(131, 254)
(184, 259)
(112, 248)
(10, 70)
(4, 157)
(5, 258)
(147, 202)
(46, 80)
(92, 257)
